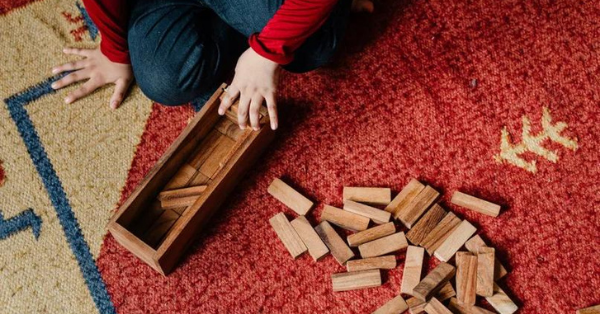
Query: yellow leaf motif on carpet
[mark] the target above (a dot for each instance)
(511, 153)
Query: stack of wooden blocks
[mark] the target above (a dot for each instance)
(431, 229)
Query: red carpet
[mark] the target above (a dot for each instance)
(422, 89)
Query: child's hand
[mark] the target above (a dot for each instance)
(255, 81)
(98, 70)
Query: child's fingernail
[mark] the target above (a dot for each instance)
(54, 71)
(113, 105)
(255, 128)
(53, 85)
(68, 100)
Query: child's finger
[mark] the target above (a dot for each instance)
(119, 94)
(70, 79)
(84, 90)
(231, 94)
(257, 101)
(243, 110)
(77, 51)
(69, 67)
(272, 107)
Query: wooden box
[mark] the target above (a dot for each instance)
(213, 151)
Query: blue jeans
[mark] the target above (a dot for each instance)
(182, 50)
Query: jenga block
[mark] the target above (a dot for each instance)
(338, 248)
(382, 246)
(446, 292)
(199, 179)
(376, 196)
(486, 260)
(425, 225)
(205, 148)
(396, 305)
(475, 242)
(459, 308)
(434, 306)
(290, 197)
(439, 234)
(381, 262)
(501, 302)
(466, 277)
(184, 192)
(416, 306)
(413, 265)
(181, 179)
(172, 203)
(377, 215)
(589, 310)
(408, 193)
(475, 204)
(316, 248)
(228, 128)
(434, 281)
(213, 163)
(287, 235)
(455, 241)
(344, 219)
(160, 227)
(417, 207)
(356, 280)
(371, 234)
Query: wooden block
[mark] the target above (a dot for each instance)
(356, 280)
(184, 192)
(376, 196)
(466, 277)
(501, 302)
(486, 260)
(214, 162)
(446, 292)
(472, 246)
(455, 241)
(416, 306)
(229, 129)
(425, 225)
(417, 207)
(381, 262)
(160, 227)
(396, 305)
(208, 144)
(475, 204)
(344, 219)
(316, 248)
(459, 308)
(287, 234)
(290, 197)
(413, 265)
(408, 193)
(338, 248)
(434, 306)
(181, 179)
(589, 310)
(434, 281)
(382, 246)
(371, 234)
(439, 234)
(377, 215)
(200, 179)
(172, 203)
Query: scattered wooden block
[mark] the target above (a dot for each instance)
(501, 302)
(439, 234)
(344, 219)
(287, 235)
(382, 246)
(290, 197)
(184, 192)
(416, 306)
(472, 246)
(486, 259)
(181, 179)
(425, 225)
(413, 265)
(338, 248)
(417, 207)
(459, 308)
(475, 204)
(371, 234)
(434, 281)
(455, 241)
(589, 310)
(376, 196)
(408, 193)
(434, 306)
(396, 305)
(316, 248)
(160, 227)
(446, 292)
(356, 280)
(377, 215)
(181, 202)
(381, 262)
(466, 277)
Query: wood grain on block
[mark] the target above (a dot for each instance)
(316, 248)
(338, 248)
(371, 234)
(380, 262)
(177, 193)
(455, 241)
(486, 260)
(434, 281)
(413, 265)
(425, 225)
(417, 207)
(396, 305)
(438, 235)
(501, 302)
(376, 196)
(288, 235)
(590, 310)
(472, 246)
(172, 203)
(382, 246)
(408, 193)
(160, 227)
(290, 197)
(459, 308)
(446, 292)
(181, 179)
(344, 219)
(214, 162)
(377, 215)
(205, 148)
(466, 277)
(416, 306)
(200, 179)
(475, 204)
(146, 218)
(434, 306)
(229, 129)
(356, 280)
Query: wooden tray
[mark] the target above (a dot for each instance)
(210, 151)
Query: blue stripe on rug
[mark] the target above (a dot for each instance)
(92, 29)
